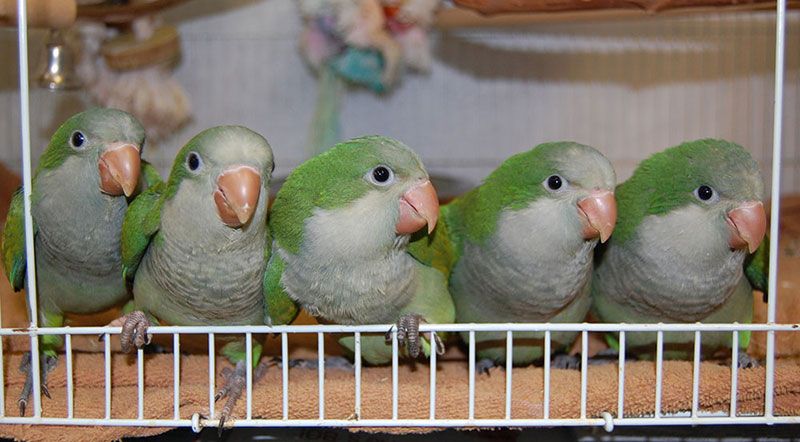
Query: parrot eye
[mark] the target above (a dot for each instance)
(554, 182)
(381, 176)
(706, 194)
(194, 162)
(77, 140)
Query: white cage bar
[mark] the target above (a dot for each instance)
(608, 419)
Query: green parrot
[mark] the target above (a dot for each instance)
(80, 194)
(196, 246)
(686, 247)
(341, 224)
(519, 247)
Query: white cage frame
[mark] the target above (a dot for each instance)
(609, 419)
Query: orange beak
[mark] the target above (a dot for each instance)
(747, 224)
(598, 214)
(419, 206)
(119, 169)
(236, 197)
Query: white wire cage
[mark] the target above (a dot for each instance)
(607, 419)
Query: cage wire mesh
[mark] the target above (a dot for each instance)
(508, 416)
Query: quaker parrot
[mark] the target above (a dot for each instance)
(196, 246)
(341, 224)
(80, 193)
(686, 247)
(519, 247)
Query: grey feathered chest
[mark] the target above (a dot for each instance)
(678, 267)
(78, 239)
(199, 271)
(532, 267)
(351, 267)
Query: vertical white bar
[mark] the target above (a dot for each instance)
(68, 354)
(212, 371)
(696, 374)
(734, 372)
(357, 361)
(107, 358)
(546, 355)
(249, 372)
(285, 373)
(395, 391)
(27, 177)
(777, 145)
(140, 383)
(472, 374)
(321, 373)
(621, 378)
(432, 399)
(659, 371)
(509, 368)
(584, 370)
(176, 376)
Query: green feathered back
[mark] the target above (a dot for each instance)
(437, 249)
(142, 221)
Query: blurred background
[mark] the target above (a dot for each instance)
(627, 87)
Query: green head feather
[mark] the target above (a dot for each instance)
(334, 179)
(99, 127)
(216, 148)
(669, 180)
(520, 180)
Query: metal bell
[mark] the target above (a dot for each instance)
(58, 72)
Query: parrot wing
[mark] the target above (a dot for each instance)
(141, 223)
(756, 268)
(436, 249)
(279, 308)
(13, 246)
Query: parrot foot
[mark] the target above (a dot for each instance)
(331, 362)
(235, 382)
(134, 330)
(484, 366)
(409, 337)
(566, 361)
(747, 361)
(606, 356)
(48, 363)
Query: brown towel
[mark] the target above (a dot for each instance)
(452, 392)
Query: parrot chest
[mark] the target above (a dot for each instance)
(677, 268)
(351, 292)
(194, 285)
(532, 268)
(78, 247)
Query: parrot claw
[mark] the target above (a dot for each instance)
(408, 335)
(484, 366)
(232, 389)
(747, 361)
(47, 364)
(134, 330)
(565, 361)
(235, 381)
(332, 362)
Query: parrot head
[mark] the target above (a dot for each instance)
(718, 178)
(110, 138)
(578, 177)
(376, 182)
(228, 168)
